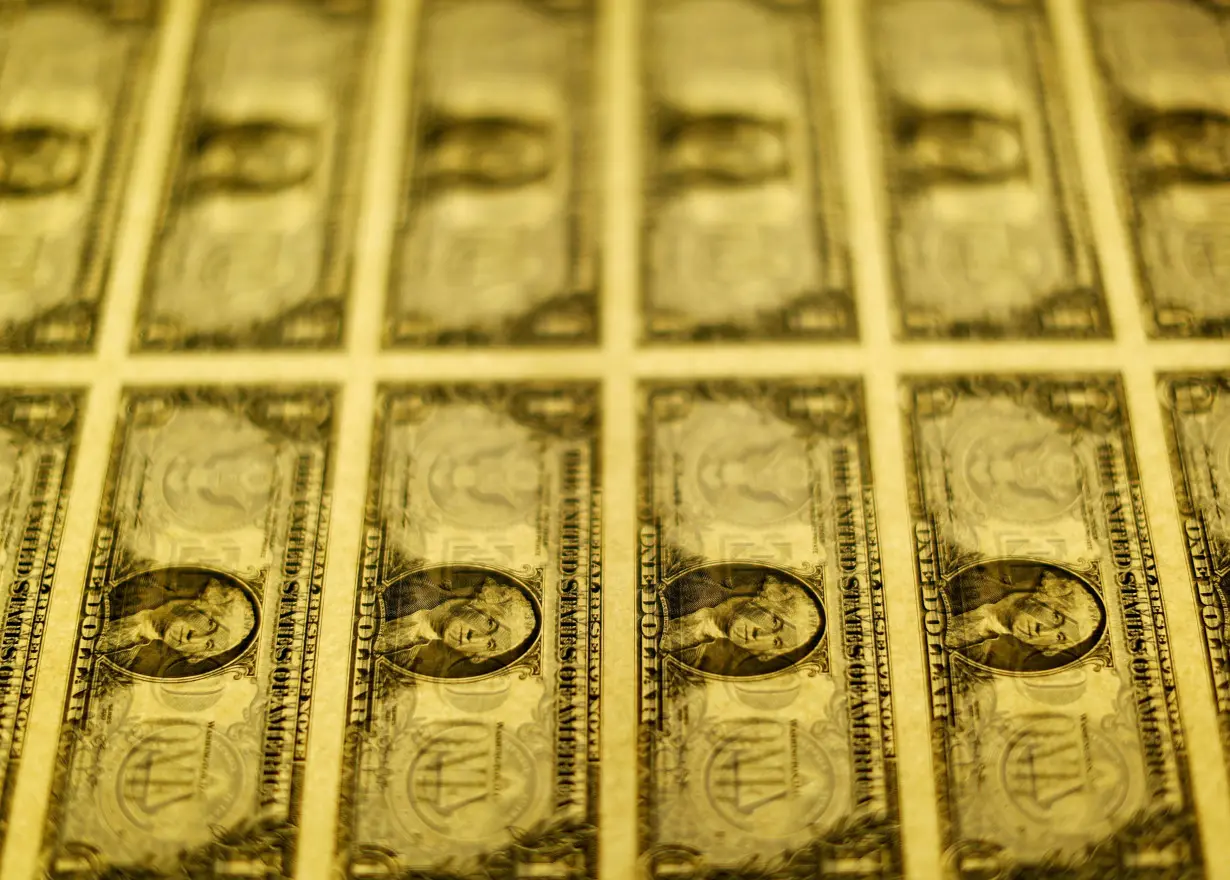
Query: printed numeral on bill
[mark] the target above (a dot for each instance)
(72, 75)
(743, 234)
(1198, 407)
(496, 241)
(38, 434)
(766, 740)
(1165, 65)
(987, 228)
(1056, 735)
(472, 748)
(186, 722)
(254, 240)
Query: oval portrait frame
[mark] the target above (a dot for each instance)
(1221, 593)
(796, 656)
(233, 656)
(1088, 646)
(503, 578)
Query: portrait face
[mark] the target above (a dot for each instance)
(1049, 625)
(495, 153)
(205, 626)
(724, 149)
(493, 623)
(39, 160)
(457, 622)
(179, 622)
(254, 156)
(740, 620)
(1036, 617)
(768, 623)
(962, 145)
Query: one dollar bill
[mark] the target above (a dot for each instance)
(1165, 65)
(38, 436)
(496, 242)
(472, 746)
(743, 234)
(1057, 743)
(185, 729)
(987, 230)
(72, 80)
(1198, 410)
(766, 732)
(254, 238)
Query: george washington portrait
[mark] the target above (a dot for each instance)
(1017, 615)
(177, 622)
(740, 620)
(456, 622)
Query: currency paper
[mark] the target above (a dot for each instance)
(187, 715)
(472, 741)
(604, 439)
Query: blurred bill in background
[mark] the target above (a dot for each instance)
(1165, 65)
(72, 80)
(253, 244)
(495, 244)
(987, 230)
(743, 236)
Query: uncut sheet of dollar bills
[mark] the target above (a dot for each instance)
(577, 439)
